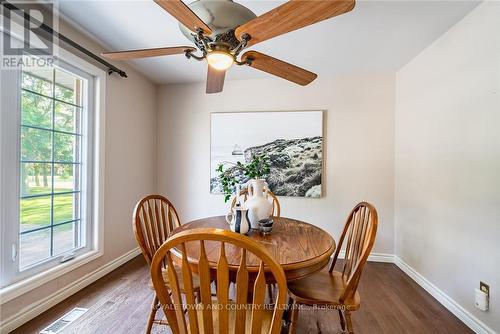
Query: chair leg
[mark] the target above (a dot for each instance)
(348, 321)
(270, 292)
(197, 296)
(214, 294)
(294, 317)
(152, 314)
(342, 321)
(288, 311)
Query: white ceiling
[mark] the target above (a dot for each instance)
(377, 36)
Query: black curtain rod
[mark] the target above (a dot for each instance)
(111, 68)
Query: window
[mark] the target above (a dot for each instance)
(50, 165)
(50, 170)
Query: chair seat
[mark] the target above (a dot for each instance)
(267, 317)
(164, 273)
(322, 288)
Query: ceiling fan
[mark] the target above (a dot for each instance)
(222, 29)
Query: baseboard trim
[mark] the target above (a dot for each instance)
(35, 309)
(374, 257)
(461, 313)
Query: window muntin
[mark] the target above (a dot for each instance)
(50, 210)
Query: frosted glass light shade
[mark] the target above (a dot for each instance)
(220, 60)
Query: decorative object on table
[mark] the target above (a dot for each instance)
(237, 219)
(266, 226)
(231, 178)
(292, 141)
(257, 203)
(276, 212)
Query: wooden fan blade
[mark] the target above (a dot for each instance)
(215, 80)
(290, 16)
(184, 15)
(144, 53)
(279, 68)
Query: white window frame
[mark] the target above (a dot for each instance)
(18, 283)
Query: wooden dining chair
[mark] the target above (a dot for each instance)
(220, 315)
(338, 289)
(276, 203)
(154, 219)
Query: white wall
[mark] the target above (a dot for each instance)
(359, 111)
(130, 171)
(447, 136)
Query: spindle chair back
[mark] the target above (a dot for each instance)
(359, 234)
(227, 316)
(154, 219)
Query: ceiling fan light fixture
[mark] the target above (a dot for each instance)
(220, 60)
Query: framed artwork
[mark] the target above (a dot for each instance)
(292, 141)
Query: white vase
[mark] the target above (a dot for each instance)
(257, 203)
(237, 219)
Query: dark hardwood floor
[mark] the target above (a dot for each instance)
(390, 303)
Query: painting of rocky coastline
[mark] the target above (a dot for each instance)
(292, 141)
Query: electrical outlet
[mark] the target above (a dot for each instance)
(481, 296)
(485, 288)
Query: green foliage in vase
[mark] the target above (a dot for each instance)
(257, 168)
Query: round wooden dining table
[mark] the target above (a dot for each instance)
(300, 248)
